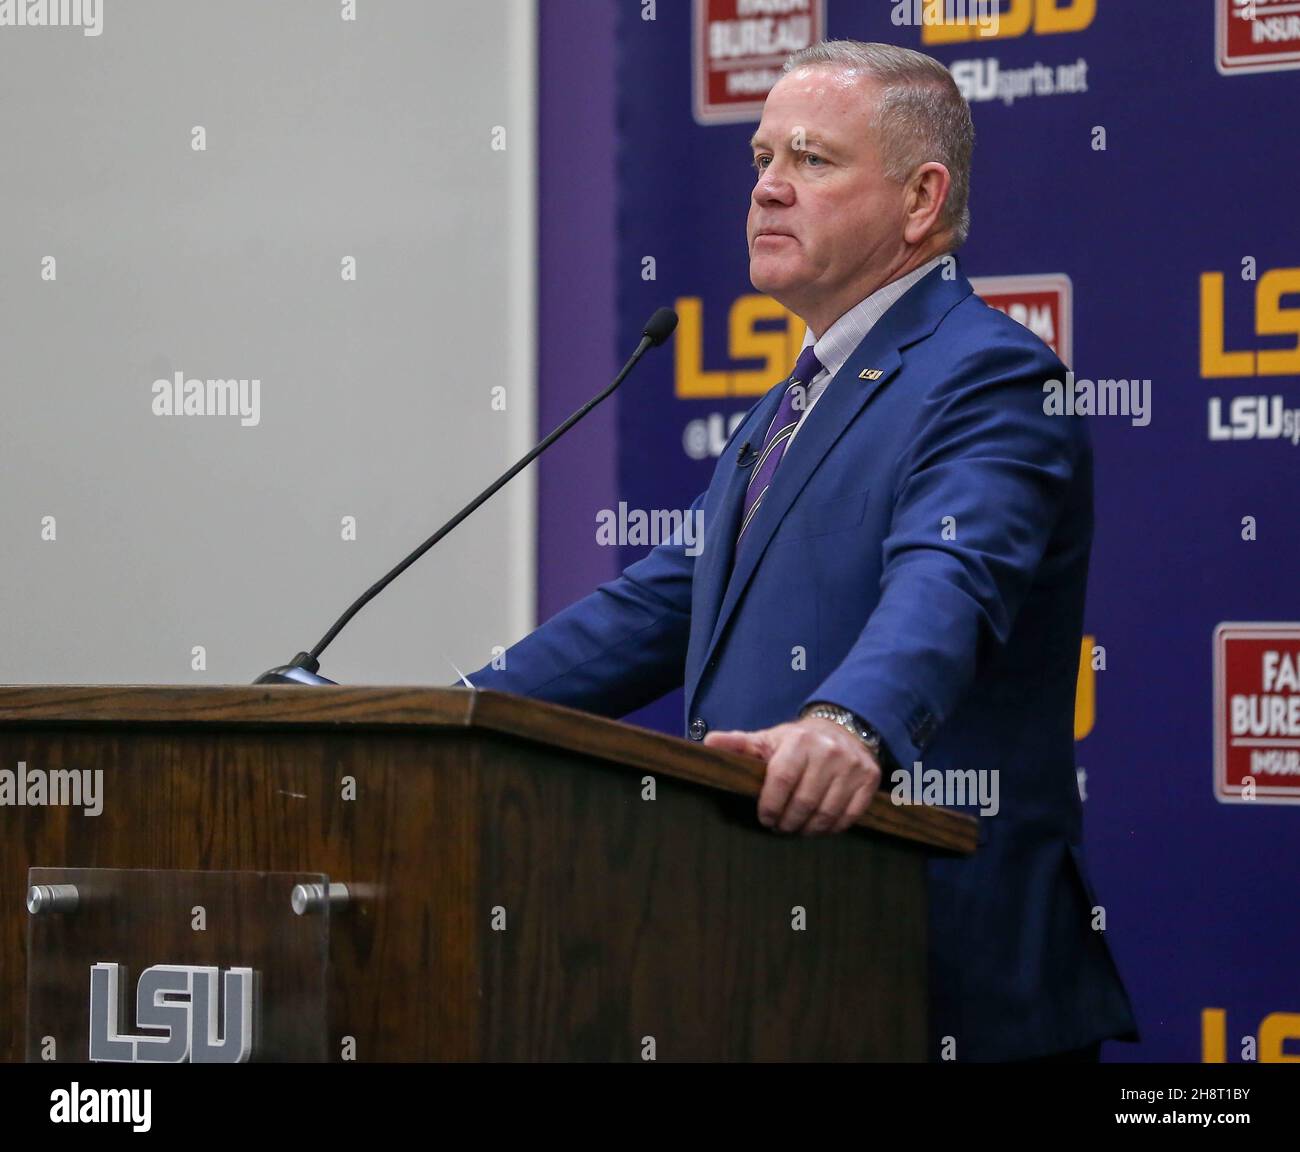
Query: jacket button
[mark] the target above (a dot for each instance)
(697, 729)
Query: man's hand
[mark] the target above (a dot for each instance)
(820, 777)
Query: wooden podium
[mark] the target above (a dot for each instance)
(434, 874)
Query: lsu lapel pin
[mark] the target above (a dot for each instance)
(870, 374)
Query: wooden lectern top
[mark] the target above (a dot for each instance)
(566, 729)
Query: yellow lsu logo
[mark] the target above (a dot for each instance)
(1092, 659)
(1045, 17)
(777, 346)
(1268, 1047)
(1271, 319)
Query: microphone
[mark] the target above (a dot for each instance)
(303, 668)
(746, 456)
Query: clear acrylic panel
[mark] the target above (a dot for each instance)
(165, 966)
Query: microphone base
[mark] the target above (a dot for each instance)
(301, 671)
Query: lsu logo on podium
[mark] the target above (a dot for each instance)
(188, 1018)
(945, 22)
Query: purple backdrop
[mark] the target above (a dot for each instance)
(1193, 183)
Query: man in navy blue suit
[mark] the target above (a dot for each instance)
(894, 564)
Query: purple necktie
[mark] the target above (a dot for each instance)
(779, 432)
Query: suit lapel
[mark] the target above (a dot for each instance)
(869, 369)
(843, 399)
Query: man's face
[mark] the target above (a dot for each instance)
(825, 225)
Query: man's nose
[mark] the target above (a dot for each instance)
(772, 188)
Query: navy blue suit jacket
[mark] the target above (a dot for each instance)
(925, 542)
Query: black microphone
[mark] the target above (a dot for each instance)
(303, 668)
(746, 456)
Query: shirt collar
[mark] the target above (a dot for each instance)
(841, 338)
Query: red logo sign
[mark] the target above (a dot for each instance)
(1257, 713)
(1256, 35)
(1043, 304)
(739, 47)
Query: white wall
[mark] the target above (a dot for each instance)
(325, 139)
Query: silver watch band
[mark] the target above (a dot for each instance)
(846, 719)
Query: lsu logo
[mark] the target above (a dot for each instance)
(758, 329)
(944, 24)
(179, 1004)
(1271, 319)
(1043, 304)
(1092, 660)
(1268, 1047)
(1251, 417)
(1256, 36)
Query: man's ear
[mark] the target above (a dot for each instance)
(927, 193)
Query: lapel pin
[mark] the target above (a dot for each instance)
(870, 374)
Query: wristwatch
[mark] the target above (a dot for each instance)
(850, 720)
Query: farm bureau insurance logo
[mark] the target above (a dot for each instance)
(738, 48)
(88, 15)
(1043, 303)
(985, 79)
(1256, 36)
(1257, 713)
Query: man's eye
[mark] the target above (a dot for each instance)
(811, 156)
(758, 162)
